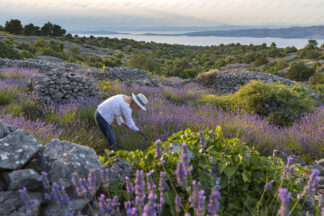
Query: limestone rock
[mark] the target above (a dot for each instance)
(62, 159)
(11, 204)
(18, 179)
(5, 129)
(17, 148)
(119, 170)
(75, 205)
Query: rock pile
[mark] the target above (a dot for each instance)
(61, 87)
(47, 64)
(229, 81)
(23, 158)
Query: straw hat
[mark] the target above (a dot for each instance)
(140, 100)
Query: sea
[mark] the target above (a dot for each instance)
(204, 40)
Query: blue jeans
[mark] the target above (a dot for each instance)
(106, 129)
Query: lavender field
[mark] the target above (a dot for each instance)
(237, 142)
(169, 110)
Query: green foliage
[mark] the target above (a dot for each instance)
(30, 29)
(181, 67)
(243, 171)
(318, 78)
(298, 71)
(143, 60)
(32, 110)
(279, 103)
(208, 77)
(6, 96)
(320, 89)
(308, 54)
(13, 26)
(275, 66)
(261, 60)
(26, 54)
(312, 44)
(8, 51)
(289, 49)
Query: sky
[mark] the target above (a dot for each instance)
(76, 15)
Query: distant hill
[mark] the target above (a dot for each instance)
(309, 32)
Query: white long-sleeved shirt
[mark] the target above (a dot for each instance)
(115, 107)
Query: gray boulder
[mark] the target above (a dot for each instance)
(62, 159)
(5, 129)
(18, 179)
(17, 148)
(75, 205)
(175, 148)
(11, 204)
(284, 157)
(119, 170)
(3, 186)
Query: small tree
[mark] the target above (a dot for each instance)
(298, 71)
(13, 26)
(58, 31)
(312, 44)
(30, 29)
(261, 60)
(47, 29)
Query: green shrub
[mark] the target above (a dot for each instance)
(6, 96)
(318, 78)
(12, 108)
(7, 50)
(320, 89)
(279, 103)
(308, 54)
(242, 171)
(208, 77)
(25, 54)
(143, 60)
(275, 66)
(261, 60)
(32, 109)
(298, 71)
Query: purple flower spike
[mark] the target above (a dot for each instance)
(181, 173)
(150, 183)
(149, 209)
(202, 141)
(312, 182)
(139, 189)
(104, 177)
(45, 180)
(213, 205)
(197, 199)
(129, 186)
(284, 196)
(158, 150)
(178, 203)
(92, 182)
(26, 198)
(268, 185)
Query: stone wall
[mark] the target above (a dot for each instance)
(61, 87)
(49, 64)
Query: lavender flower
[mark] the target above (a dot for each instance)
(312, 182)
(268, 185)
(202, 140)
(213, 205)
(130, 211)
(150, 183)
(45, 180)
(163, 186)
(184, 154)
(158, 150)
(26, 198)
(104, 177)
(129, 186)
(284, 196)
(178, 203)
(149, 209)
(59, 195)
(181, 173)
(92, 182)
(139, 189)
(197, 199)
